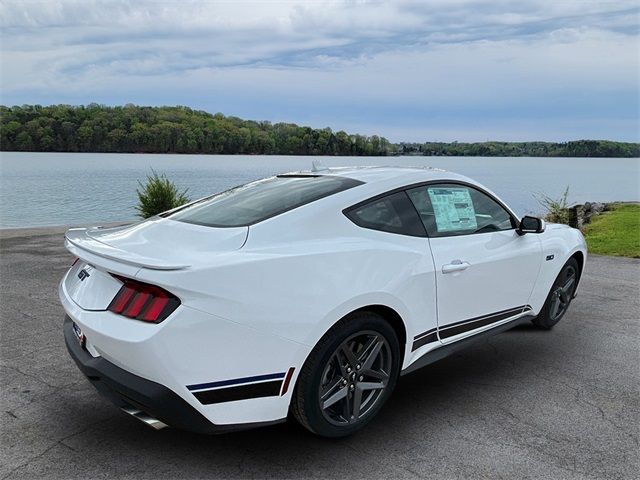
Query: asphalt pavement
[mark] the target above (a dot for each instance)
(523, 404)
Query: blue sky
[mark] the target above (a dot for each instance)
(409, 70)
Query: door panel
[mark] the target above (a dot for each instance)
(485, 271)
(483, 279)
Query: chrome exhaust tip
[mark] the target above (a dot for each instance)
(145, 418)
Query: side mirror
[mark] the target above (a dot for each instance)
(530, 225)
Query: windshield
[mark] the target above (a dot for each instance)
(257, 201)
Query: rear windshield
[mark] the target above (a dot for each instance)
(257, 201)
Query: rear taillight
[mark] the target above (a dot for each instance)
(143, 301)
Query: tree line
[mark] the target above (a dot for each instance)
(577, 148)
(136, 129)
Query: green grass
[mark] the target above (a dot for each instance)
(616, 232)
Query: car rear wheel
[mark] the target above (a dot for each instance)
(560, 296)
(348, 376)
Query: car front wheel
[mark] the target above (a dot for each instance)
(559, 297)
(348, 376)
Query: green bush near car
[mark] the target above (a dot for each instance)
(158, 195)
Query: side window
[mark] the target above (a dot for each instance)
(393, 213)
(452, 209)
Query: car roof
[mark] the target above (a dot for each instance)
(381, 178)
(313, 220)
(374, 174)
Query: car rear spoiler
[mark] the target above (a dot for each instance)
(79, 240)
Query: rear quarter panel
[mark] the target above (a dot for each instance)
(297, 282)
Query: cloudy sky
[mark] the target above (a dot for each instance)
(409, 70)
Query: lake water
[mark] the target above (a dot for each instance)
(41, 189)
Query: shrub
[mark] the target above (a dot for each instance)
(158, 195)
(557, 209)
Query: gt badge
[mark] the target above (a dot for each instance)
(82, 274)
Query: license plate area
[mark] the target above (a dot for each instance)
(82, 340)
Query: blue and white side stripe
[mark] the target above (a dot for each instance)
(236, 381)
(257, 386)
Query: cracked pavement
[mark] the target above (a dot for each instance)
(524, 404)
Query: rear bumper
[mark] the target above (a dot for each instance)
(127, 390)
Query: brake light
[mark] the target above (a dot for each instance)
(143, 301)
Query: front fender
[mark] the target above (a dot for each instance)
(559, 244)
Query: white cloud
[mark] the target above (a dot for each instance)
(343, 60)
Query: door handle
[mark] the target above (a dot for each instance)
(455, 266)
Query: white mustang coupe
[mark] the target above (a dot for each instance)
(307, 293)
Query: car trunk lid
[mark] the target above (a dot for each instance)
(155, 244)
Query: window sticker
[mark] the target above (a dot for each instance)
(453, 209)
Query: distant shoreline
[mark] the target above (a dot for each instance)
(130, 128)
(316, 155)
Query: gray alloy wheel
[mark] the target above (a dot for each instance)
(348, 376)
(560, 296)
(355, 378)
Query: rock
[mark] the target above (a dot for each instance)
(580, 214)
(576, 216)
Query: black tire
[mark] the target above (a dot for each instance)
(360, 332)
(560, 296)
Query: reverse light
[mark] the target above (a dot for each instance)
(143, 301)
